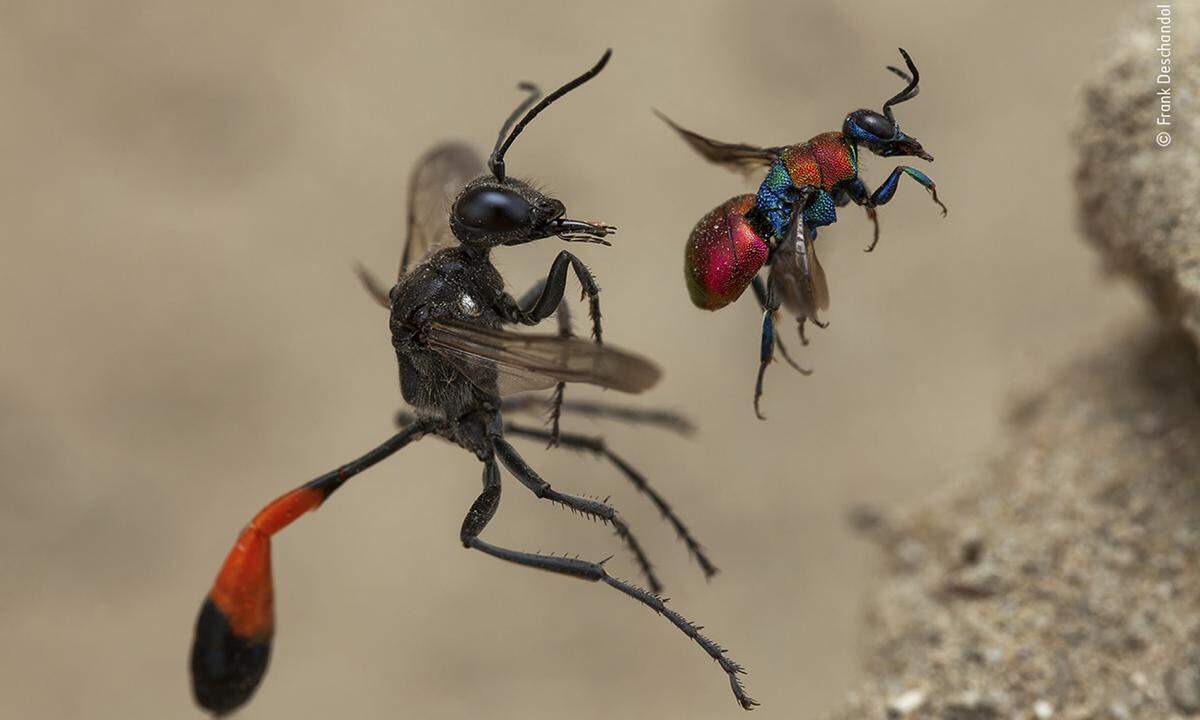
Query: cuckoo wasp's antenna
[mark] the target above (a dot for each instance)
(909, 92)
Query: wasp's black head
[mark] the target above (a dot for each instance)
(880, 133)
(489, 212)
(498, 210)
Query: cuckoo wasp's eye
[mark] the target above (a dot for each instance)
(493, 210)
(868, 125)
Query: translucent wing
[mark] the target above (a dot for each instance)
(797, 273)
(736, 156)
(505, 362)
(435, 181)
(820, 288)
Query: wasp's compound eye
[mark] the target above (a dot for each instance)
(493, 210)
(876, 124)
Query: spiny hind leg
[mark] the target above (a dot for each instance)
(484, 509)
(584, 506)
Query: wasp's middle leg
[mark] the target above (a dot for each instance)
(484, 508)
(598, 447)
(666, 419)
(584, 506)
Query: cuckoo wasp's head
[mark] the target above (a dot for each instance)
(880, 132)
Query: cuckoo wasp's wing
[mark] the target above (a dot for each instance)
(740, 157)
(812, 264)
(435, 181)
(796, 271)
(503, 362)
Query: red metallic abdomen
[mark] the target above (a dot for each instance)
(723, 255)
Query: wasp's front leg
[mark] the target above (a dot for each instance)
(887, 189)
(564, 329)
(551, 296)
(858, 192)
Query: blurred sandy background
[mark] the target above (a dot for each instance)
(185, 188)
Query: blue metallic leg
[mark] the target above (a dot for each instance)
(884, 192)
(760, 293)
(766, 348)
(887, 189)
(765, 354)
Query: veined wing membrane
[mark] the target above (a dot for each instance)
(741, 157)
(436, 180)
(797, 273)
(506, 362)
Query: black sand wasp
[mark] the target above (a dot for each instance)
(448, 310)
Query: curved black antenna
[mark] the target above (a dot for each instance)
(534, 94)
(496, 161)
(906, 78)
(909, 92)
(903, 75)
